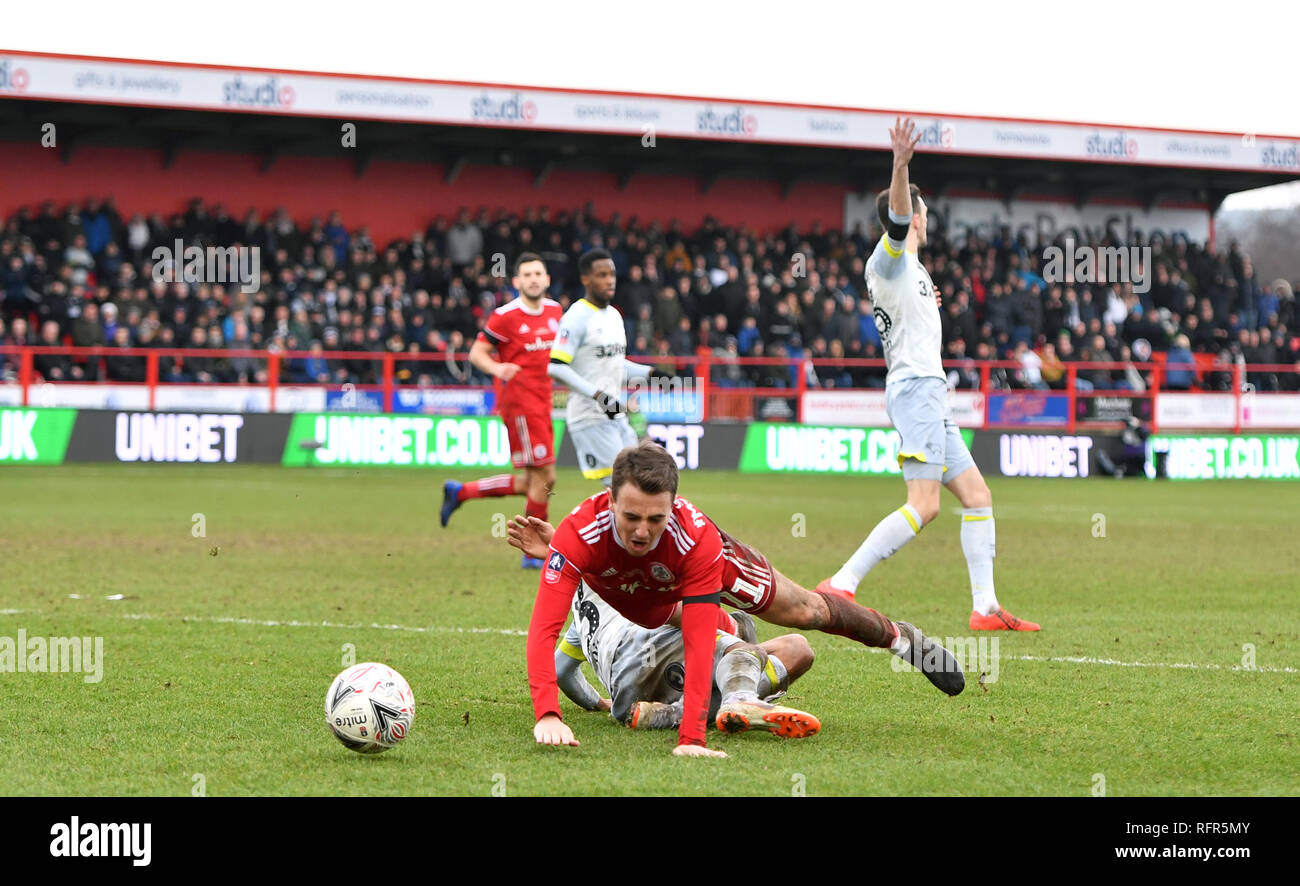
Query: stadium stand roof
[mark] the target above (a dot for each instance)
(273, 114)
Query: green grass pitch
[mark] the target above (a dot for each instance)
(217, 659)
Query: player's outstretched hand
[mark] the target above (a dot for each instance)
(552, 730)
(532, 535)
(694, 750)
(506, 371)
(903, 138)
(605, 705)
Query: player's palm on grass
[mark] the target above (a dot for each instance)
(551, 730)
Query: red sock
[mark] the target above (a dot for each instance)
(727, 624)
(488, 487)
(536, 509)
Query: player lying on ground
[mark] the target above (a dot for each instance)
(933, 453)
(643, 669)
(522, 332)
(644, 550)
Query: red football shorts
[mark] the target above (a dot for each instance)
(532, 439)
(748, 582)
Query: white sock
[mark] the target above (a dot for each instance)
(737, 675)
(978, 544)
(890, 534)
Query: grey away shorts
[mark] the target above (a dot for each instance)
(932, 447)
(649, 666)
(598, 443)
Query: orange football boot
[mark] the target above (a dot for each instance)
(740, 716)
(1000, 621)
(825, 587)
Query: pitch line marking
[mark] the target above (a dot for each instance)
(1081, 659)
(1190, 666)
(266, 623)
(269, 623)
(509, 632)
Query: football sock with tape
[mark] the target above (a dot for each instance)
(978, 544)
(867, 626)
(890, 534)
(738, 673)
(774, 677)
(488, 487)
(726, 623)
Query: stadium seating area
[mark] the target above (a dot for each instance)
(83, 276)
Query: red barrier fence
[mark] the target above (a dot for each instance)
(729, 388)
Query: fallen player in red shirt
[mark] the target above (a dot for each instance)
(656, 559)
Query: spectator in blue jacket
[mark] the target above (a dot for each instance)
(13, 286)
(313, 368)
(99, 230)
(867, 332)
(795, 351)
(747, 335)
(336, 235)
(1180, 378)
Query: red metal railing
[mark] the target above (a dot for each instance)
(720, 396)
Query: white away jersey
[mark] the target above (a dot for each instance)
(594, 342)
(907, 318)
(600, 630)
(632, 663)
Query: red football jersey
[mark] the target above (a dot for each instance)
(686, 563)
(524, 339)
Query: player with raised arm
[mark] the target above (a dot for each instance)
(932, 453)
(656, 559)
(643, 669)
(522, 332)
(590, 358)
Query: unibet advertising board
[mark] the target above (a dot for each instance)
(399, 441)
(1226, 457)
(771, 448)
(35, 436)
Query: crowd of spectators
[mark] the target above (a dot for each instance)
(83, 275)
